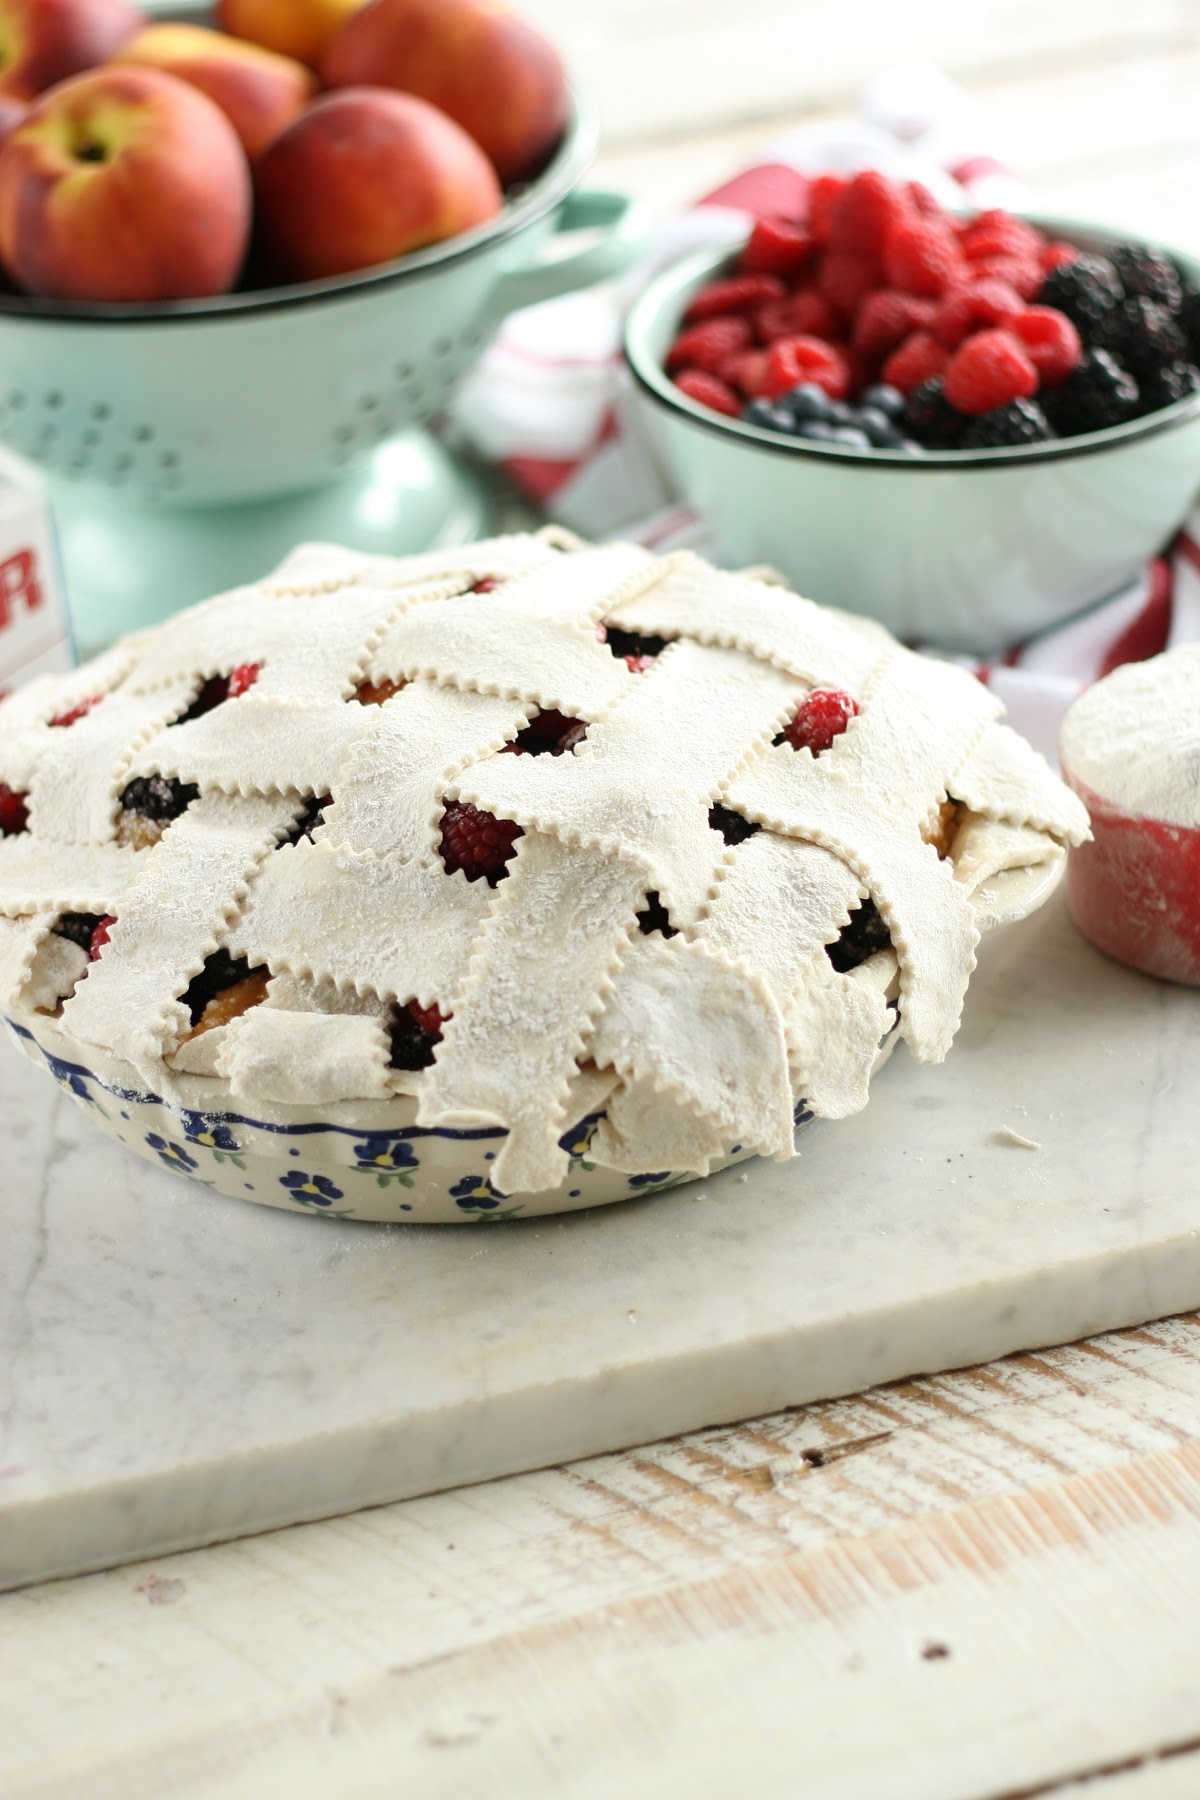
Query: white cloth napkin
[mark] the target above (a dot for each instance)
(549, 400)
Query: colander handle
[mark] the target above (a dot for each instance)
(624, 229)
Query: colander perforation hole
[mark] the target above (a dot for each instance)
(142, 434)
(101, 410)
(404, 371)
(169, 459)
(368, 403)
(344, 434)
(53, 399)
(91, 437)
(442, 346)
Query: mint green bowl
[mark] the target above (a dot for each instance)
(969, 550)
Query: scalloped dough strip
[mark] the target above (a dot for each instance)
(33, 879)
(689, 1027)
(833, 1025)
(304, 1058)
(174, 915)
(431, 733)
(397, 928)
(813, 643)
(291, 747)
(533, 638)
(20, 942)
(502, 556)
(641, 783)
(509, 1055)
(1004, 776)
(310, 646)
(71, 797)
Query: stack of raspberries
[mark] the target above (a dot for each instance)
(882, 321)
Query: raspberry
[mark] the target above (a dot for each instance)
(886, 317)
(99, 936)
(925, 204)
(79, 711)
(812, 315)
(775, 247)
(1097, 393)
(735, 295)
(989, 370)
(487, 584)
(964, 309)
(1149, 273)
(476, 842)
(746, 371)
(797, 359)
(243, 677)
(863, 213)
(219, 688)
(1020, 422)
(1022, 273)
(414, 1031)
(823, 196)
(705, 346)
(918, 358)
(846, 278)
(821, 716)
(709, 390)
(921, 256)
(1055, 254)
(1051, 341)
(1001, 234)
(931, 419)
(14, 812)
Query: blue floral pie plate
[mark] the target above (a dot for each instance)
(354, 1160)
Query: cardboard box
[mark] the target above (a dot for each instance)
(35, 633)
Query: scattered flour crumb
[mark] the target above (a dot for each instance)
(1005, 1134)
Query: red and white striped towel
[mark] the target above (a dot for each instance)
(549, 400)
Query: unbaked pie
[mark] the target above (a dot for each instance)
(606, 861)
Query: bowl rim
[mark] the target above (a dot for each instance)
(542, 195)
(672, 282)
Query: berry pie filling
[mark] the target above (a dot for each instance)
(73, 714)
(149, 803)
(374, 693)
(477, 843)
(638, 649)
(880, 322)
(414, 1032)
(219, 688)
(225, 988)
(14, 811)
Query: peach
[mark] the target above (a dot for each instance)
(299, 28)
(258, 91)
(501, 80)
(44, 41)
(363, 176)
(124, 184)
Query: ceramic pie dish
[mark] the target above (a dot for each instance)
(502, 880)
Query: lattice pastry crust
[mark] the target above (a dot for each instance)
(666, 929)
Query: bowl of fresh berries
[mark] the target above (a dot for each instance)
(970, 427)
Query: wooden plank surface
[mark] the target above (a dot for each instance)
(952, 1545)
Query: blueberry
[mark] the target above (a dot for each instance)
(879, 428)
(818, 430)
(884, 399)
(808, 401)
(850, 437)
(839, 413)
(768, 414)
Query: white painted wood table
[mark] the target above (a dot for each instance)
(980, 1586)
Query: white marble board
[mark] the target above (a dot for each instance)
(177, 1368)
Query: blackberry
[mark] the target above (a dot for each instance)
(1189, 319)
(158, 796)
(1173, 381)
(1020, 422)
(655, 917)
(1147, 272)
(930, 418)
(1097, 392)
(412, 1043)
(1086, 290)
(864, 934)
(731, 825)
(220, 971)
(1142, 335)
(78, 927)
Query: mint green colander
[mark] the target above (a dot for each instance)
(190, 444)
